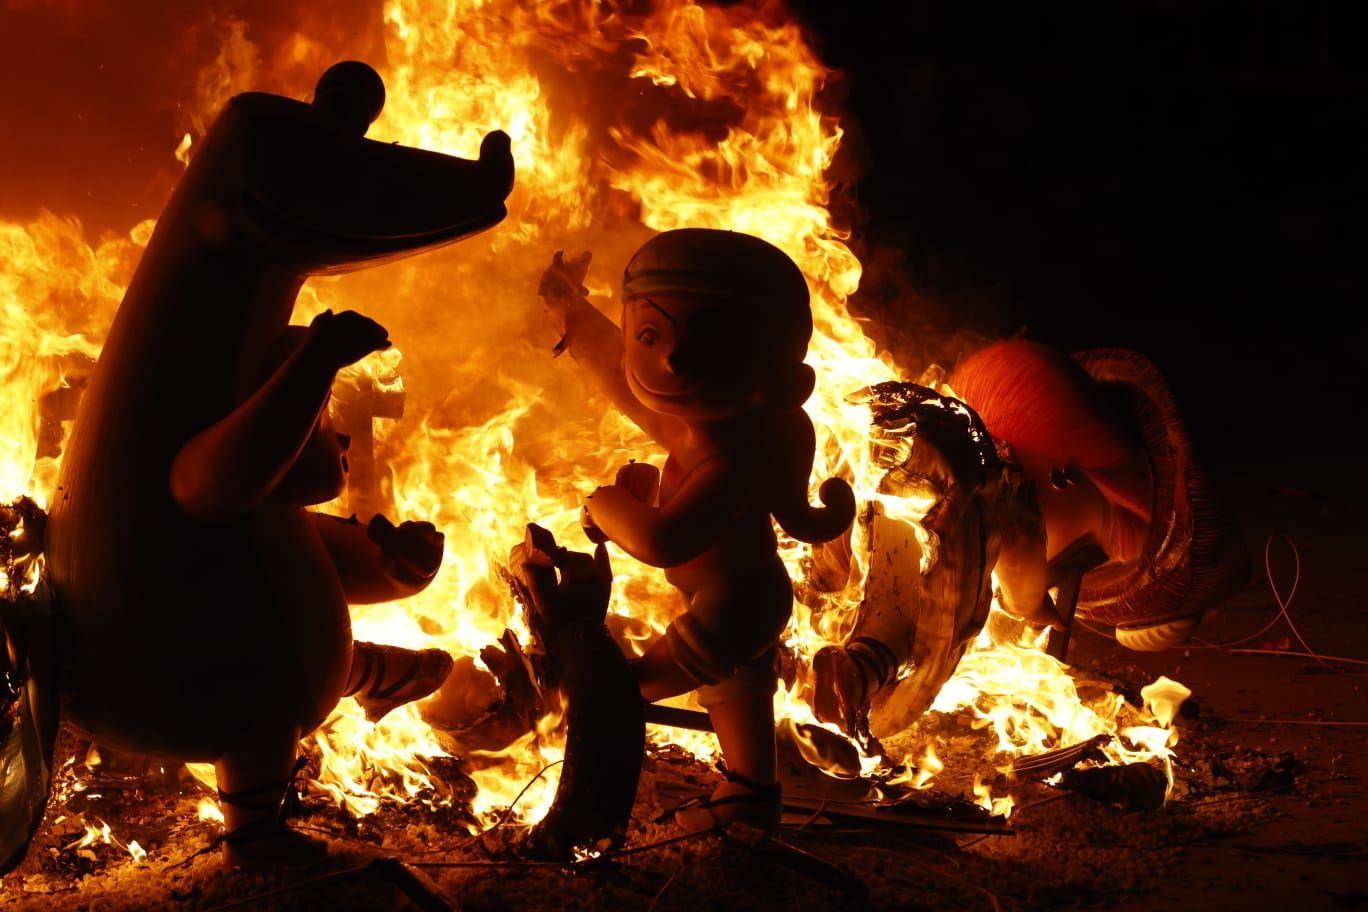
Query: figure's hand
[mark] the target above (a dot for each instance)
(591, 529)
(411, 551)
(563, 283)
(344, 338)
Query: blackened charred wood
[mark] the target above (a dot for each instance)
(1134, 786)
(677, 717)
(606, 728)
(767, 848)
(913, 813)
(1065, 576)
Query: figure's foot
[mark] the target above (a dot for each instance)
(267, 844)
(386, 677)
(756, 804)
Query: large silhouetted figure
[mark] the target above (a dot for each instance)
(203, 611)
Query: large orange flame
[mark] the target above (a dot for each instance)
(622, 124)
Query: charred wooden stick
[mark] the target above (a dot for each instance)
(606, 735)
(676, 717)
(1066, 578)
(902, 816)
(414, 884)
(767, 848)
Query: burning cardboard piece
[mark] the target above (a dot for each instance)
(478, 710)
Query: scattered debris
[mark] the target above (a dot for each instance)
(1135, 786)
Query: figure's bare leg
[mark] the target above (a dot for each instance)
(659, 676)
(745, 730)
(252, 780)
(385, 677)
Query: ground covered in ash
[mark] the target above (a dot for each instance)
(1267, 810)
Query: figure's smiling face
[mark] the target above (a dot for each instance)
(683, 356)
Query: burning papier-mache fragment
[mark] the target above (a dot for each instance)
(565, 594)
(1070, 479)
(929, 583)
(204, 609)
(484, 711)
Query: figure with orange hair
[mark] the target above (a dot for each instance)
(1100, 488)
(1101, 441)
(709, 362)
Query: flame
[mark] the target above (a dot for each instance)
(623, 123)
(983, 797)
(97, 832)
(1032, 703)
(208, 809)
(930, 767)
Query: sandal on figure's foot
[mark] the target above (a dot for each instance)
(753, 803)
(268, 843)
(378, 692)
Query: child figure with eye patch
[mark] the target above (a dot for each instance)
(709, 363)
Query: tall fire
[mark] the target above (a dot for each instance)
(623, 123)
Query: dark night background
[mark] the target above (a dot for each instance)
(1182, 177)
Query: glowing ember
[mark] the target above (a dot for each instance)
(622, 125)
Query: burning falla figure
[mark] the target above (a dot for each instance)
(1098, 499)
(203, 611)
(709, 362)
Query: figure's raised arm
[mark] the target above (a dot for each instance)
(595, 342)
(233, 465)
